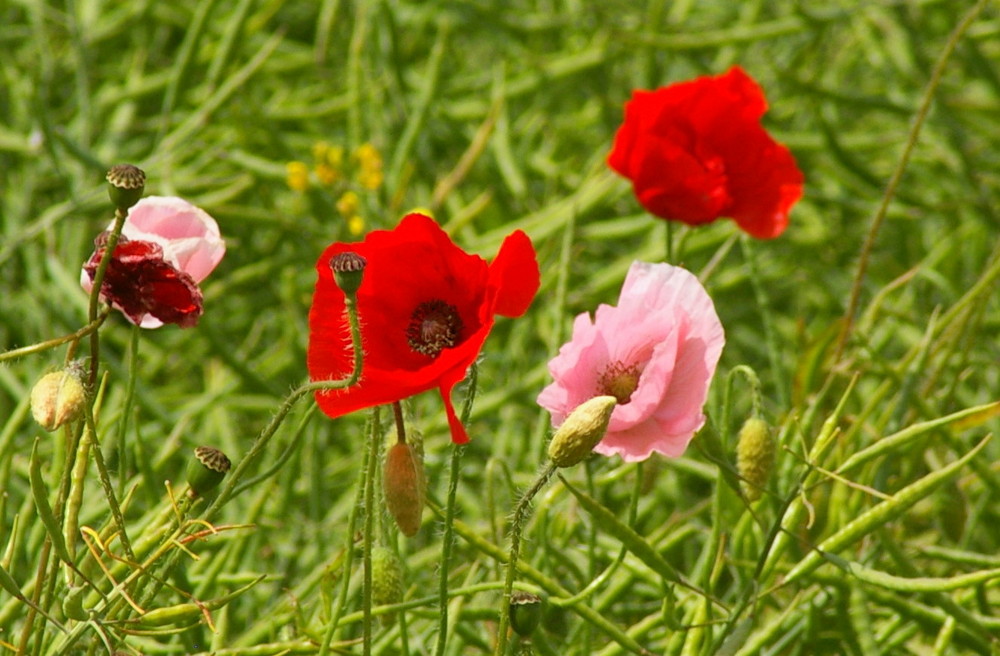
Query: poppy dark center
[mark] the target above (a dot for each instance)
(434, 325)
(619, 380)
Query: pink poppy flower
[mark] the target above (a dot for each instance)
(656, 352)
(168, 246)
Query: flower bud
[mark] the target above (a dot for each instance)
(583, 429)
(125, 185)
(525, 612)
(58, 398)
(387, 577)
(403, 484)
(348, 268)
(207, 470)
(754, 456)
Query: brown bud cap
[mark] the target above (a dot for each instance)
(125, 185)
(58, 398)
(525, 612)
(403, 483)
(348, 269)
(754, 456)
(207, 470)
(387, 577)
(583, 429)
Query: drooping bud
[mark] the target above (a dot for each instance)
(58, 398)
(348, 269)
(387, 578)
(403, 484)
(754, 456)
(125, 185)
(525, 612)
(207, 470)
(581, 431)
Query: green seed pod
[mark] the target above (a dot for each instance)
(387, 578)
(125, 185)
(576, 438)
(348, 270)
(403, 485)
(207, 470)
(58, 398)
(72, 604)
(525, 612)
(754, 456)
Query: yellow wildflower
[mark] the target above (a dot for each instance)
(370, 176)
(297, 176)
(355, 225)
(326, 174)
(348, 204)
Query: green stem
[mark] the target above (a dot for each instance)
(227, 491)
(95, 292)
(133, 350)
(105, 478)
(448, 539)
(31, 349)
(371, 461)
(763, 302)
(516, 527)
(890, 189)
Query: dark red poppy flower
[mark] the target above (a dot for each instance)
(696, 151)
(426, 307)
(142, 284)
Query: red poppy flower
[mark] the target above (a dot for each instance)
(140, 283)
(696, 151)
(426, 307)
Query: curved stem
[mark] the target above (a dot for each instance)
(57, 341)
(897, 174)
(227, 491)
(516, 527)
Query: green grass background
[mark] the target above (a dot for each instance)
(212, 99)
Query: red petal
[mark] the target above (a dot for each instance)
(514, 275)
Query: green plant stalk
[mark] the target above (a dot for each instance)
(371, 461)
(133, 366)
(32, 349)
(95, 292)
(109, 491)
(516, 527)
(257, 449)
(880, 514)
(448, 539)
(778, 375)
(890, 189)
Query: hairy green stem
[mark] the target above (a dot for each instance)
(95, 292)
(516, 527)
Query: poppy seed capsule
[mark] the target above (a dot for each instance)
(754, 456)
(57, 398)
(583, 429)
(125, 185)
(348, 269)
(403, 485)
(525, 612)
(207, 470)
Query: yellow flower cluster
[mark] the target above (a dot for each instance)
(328, 170)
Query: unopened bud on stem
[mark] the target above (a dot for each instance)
(583, 429)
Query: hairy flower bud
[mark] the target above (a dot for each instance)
(582, 430)
(403, 483)
(207, 470)
(754, 456)
(58, 398)
(387, 577)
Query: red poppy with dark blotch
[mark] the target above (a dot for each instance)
(695, 151)
(140, 282)
(426, 308)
